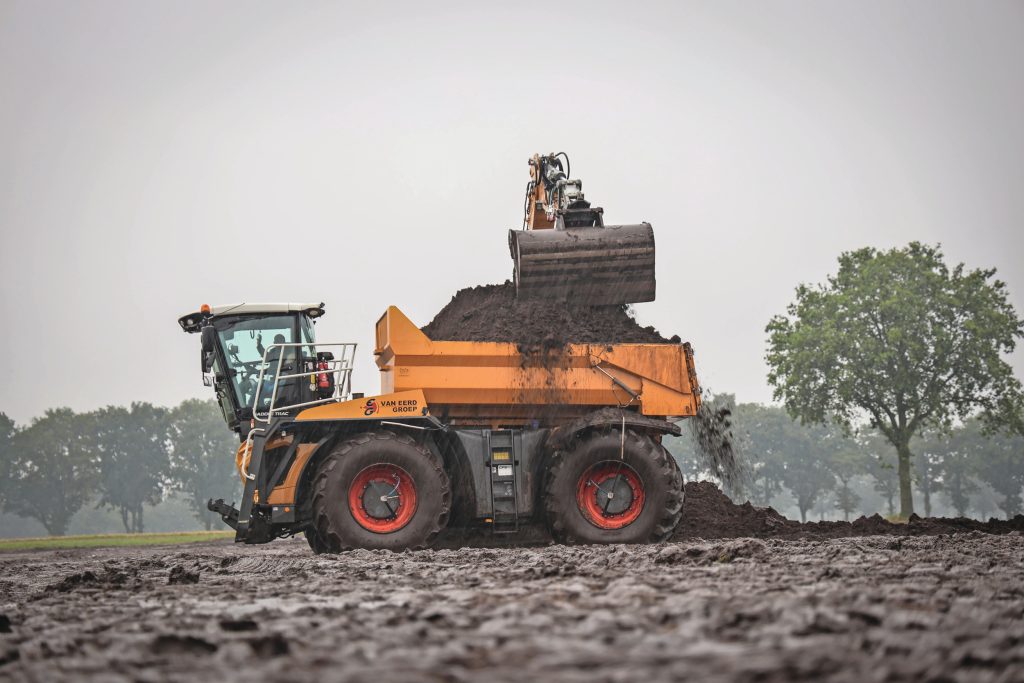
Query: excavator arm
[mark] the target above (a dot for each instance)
(566, 252)
(552, 196)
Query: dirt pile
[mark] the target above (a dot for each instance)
(493, 313)
(708, 513)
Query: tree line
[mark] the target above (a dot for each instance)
(122, 458)
(130, 458)
(825, 467)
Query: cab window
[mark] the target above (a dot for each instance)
(246, 342)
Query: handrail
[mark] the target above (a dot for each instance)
(244, 469)
(341, 367)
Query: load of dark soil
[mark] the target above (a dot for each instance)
(708, 513)
(493, 313)
(539, 328)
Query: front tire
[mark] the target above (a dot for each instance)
(607, 489)
(379, 490)
(313, 539)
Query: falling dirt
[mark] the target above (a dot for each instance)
(711, 429)
(814, 609)
(493, 313)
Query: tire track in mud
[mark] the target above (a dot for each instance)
(899, 608)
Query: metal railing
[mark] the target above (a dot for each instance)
(340, 367)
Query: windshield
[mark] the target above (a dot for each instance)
(245, 340)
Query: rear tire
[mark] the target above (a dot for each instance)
(379, 490)
(313, 539)
(647, 488)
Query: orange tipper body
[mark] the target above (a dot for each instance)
(493, 383)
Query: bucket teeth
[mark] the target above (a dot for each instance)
(594, 266)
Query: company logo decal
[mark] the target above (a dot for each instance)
(391, 406)
(403, 406)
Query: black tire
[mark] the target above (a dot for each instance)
(655, 468)
(336, 527)
(313, 539)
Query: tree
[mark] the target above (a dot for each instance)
(51, 471)
(948, 466)
(957, 469)
(764, 431)
(999, 460)
(131, 451)
(845, 463)
(899, 337)
(825, 503)
(202, 456)
(983, 500)
(806, 474)
(926, 475)
(7, 432)
(882, 470)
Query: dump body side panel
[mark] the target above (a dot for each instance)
(494, 381)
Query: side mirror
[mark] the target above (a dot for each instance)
(208, 337)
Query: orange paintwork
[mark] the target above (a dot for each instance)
(389, 406)
(284, 493)
(240, 453)
(404, 404)
(491, 382)
(536, 218)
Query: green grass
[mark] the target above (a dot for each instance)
(111, 540)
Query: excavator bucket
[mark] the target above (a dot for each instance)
(592, 265)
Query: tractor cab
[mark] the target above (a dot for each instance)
(262, 359)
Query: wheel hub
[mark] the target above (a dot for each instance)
(382, 498)
(610, 495)
(614, 496)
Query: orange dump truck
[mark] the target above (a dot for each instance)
(470, 436)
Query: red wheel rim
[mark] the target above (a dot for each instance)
(382, 498)
(615, 511)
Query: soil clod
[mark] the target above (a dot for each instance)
(175, 644)
(179, 575)
(236, 625)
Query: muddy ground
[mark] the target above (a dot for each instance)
(874, 608)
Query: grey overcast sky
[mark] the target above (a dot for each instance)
(159, 155)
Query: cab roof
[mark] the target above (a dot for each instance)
(192, 322)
